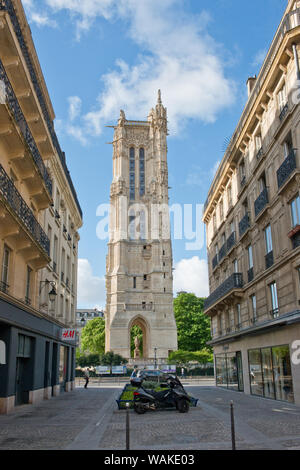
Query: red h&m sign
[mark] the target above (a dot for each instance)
(68, 334)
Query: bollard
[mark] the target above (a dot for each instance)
(232, 426)
(127, 427)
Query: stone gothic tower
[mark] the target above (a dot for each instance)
(139, 280)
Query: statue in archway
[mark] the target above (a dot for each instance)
(137, 348)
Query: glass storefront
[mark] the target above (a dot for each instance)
(270, 373)
(229, 371)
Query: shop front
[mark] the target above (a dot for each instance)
(270, 373)
(229, 371)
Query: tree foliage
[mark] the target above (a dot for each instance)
(193, 326)
(87, 360)
(183, 358)
(112, 359)
(93, 336)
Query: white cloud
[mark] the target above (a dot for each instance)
(178, 56)
(191, 275)
(74, 107)
(198, 175)
(91, 289)
(40, 18)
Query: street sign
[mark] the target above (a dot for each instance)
(118, 369)
(68, 334)
(168, 368)
(103, 370)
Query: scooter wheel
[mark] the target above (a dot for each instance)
(183, 406)
(139, 408)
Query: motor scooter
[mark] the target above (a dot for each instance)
(173, 396)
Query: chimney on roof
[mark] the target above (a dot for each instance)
(250, 84)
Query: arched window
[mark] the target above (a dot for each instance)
(142, 172)
(131, 174)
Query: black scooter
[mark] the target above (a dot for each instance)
(173, 396)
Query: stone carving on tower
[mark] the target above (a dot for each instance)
(139, 281)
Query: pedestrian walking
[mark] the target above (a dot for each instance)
(134, 372)
(86, 376)
(182, 372)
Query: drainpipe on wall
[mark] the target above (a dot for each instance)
(294, 46)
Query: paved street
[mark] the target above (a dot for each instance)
(89, 419)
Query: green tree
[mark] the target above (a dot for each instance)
(183, 358)
(193, 326)
(112, 359)
(93, 336)
(87, 360)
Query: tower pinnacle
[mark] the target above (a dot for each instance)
(159, 97)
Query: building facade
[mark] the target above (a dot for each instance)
(139, 281)
(83, 316)
(39, 219)
(252, 217)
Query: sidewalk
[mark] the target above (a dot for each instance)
(89, 419)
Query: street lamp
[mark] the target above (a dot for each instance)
(52, 293)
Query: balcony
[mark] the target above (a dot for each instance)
(235, 281)
(250, 275)
(16, 112)
(261, 202)
(259, 153)
(215, 261)
(286, 169)
(243, 181)
(4, 287)
(283, 112)
(7, 6)
(231, 241)
(269, 258)
(139, 307)
(24, 215)
(222, 252)
(244, 225)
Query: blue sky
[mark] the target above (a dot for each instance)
(100, 56)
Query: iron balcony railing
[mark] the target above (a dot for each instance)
(283, 112)
(235, 281)
(259, 153)
(215, 261)
(15, 201)
(4, 287)
(16, 111)
(7, 5)
(231, 241)
(250, 274)
(222, 252)
(285, 170)
(261, 202)
(289, 22)
(269, 258)
(244, 224)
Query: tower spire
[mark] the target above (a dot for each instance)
(159, 97)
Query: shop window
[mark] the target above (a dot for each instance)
(270, 373)
(24, 346)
